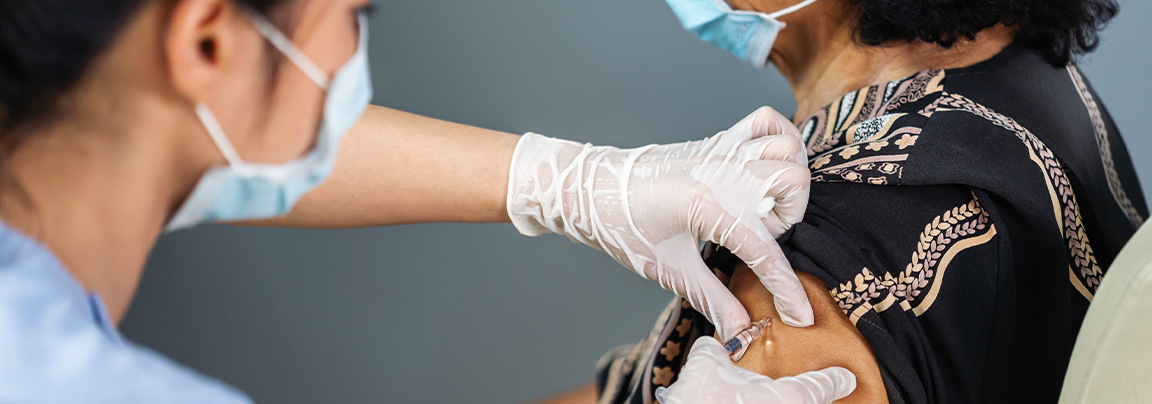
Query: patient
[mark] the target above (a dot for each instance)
(969, 191)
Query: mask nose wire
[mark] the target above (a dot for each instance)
(289, 49)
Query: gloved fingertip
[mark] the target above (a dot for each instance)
(730, 328)
(845, 381)
(796, 315)
(726, 312)
(661, 394)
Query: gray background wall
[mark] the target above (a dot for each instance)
(384, 315)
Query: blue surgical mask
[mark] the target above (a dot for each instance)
(244, 190)
(747, 34)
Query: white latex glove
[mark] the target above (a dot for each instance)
(648, 208)
(710, 377)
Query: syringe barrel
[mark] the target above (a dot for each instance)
(739, 343)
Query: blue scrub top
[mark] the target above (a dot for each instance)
(57, 345)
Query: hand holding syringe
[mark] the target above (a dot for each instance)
(710, 376)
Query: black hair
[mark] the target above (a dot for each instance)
(46, 47)
(1060, 29)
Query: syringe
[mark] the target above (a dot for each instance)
(739, 344)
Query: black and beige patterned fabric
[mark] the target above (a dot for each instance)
(962, 219)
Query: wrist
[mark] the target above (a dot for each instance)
(549, 184)
(519, 206)
(532, 200)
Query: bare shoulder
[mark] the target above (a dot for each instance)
(788, 351)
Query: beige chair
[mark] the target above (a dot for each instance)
(1112, 360)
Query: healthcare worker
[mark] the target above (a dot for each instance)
(123, 119)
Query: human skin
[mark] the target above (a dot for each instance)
(98, 181)
(95, 178)
(820, 57)
(822, 60)
(583, 395)
(787, 351)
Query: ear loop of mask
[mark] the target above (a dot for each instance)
(289, 49)
(791, 9)
(216, 132)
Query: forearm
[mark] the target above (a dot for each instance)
(399, 168)
(583, 395)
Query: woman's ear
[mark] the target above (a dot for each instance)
(199, 40)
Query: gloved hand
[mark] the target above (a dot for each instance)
(710, 377)
(649, 207)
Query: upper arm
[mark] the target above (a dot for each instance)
(863, 243)
(914, 270)
(788, 351)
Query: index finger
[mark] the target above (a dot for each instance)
(767, 121)
(763, 122)
(749, 239)
(765, 258)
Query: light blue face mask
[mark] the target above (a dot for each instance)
(747, 34)
(245, 191)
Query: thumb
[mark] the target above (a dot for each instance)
(766, 121)
(818, 387)
(788, 188)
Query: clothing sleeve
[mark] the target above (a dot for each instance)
(916, 269)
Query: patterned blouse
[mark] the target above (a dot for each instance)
(962, 219)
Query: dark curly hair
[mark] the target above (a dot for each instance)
(1061, 29)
